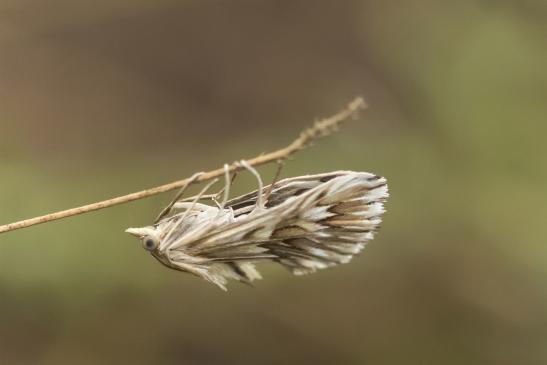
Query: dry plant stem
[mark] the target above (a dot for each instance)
(320, 129)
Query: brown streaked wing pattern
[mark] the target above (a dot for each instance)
(283, 189)
(312, 222)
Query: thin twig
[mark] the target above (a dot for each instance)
(320, 129)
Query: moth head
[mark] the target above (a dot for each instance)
(148, 236)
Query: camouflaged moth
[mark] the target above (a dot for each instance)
(304, 223)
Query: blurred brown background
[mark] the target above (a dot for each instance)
(107, 97)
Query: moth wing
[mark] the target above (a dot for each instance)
(260, 227)
(282, 190)
(231, 249)
(322, 226)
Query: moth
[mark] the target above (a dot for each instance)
(304, 223)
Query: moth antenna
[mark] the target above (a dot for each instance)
(252, 170)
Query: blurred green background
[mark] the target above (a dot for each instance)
(108, 97)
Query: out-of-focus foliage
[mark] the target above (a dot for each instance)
(107, 97)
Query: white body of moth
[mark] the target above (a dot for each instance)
(305, 223)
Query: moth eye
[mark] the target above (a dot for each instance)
(150, 243)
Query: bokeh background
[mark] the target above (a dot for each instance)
(106, 97)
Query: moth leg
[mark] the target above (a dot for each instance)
(168, 208)
(203, 197)
(185, 214)
(198, 197)
(280, 165)
(259, 197)
(214, 197)
(227, 183)
(225, 190)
